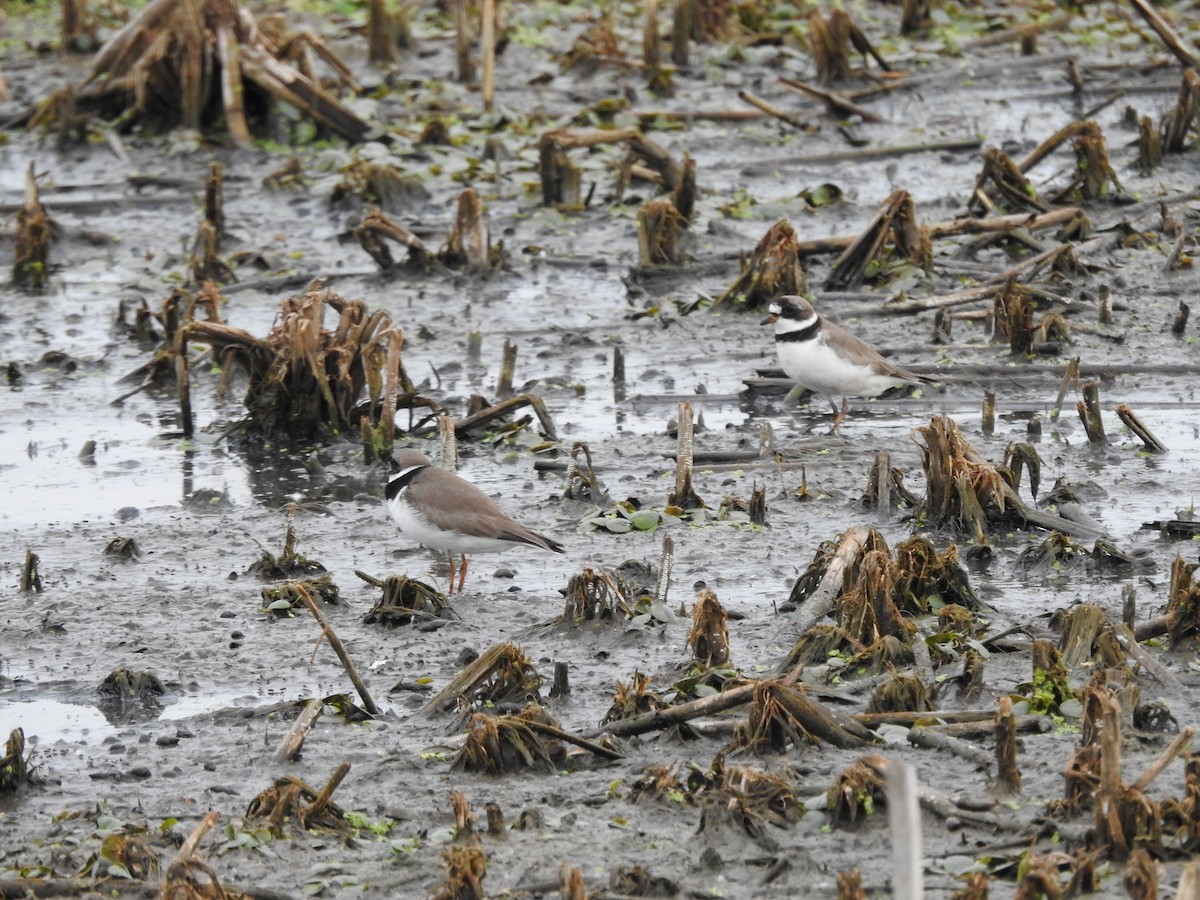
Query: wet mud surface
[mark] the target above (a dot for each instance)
(201, 511)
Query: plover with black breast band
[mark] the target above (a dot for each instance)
(828, 359)
(444, 512)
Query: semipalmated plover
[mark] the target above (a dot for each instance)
(438, 509)
(828, 359)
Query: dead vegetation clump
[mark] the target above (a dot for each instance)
(893, 238)
(746, 800)
(380, 183)
(200, 63)
(1183, 604)
(281, 599)
(469, 245)
(784, 717)
(498, 745)
(772, 271)
(600, 597)
(306, 380)
(709, 637)
(290, 801)
(857, 792)
(466, 867)
(289, 563)
(34, 232)
(16, 773)
(742, 797)
(830, 40)
(127, 853)
(405, 601)
(502, 675)
(1004, 183)
(596, 46)
(377, 227)
(633, 698)
(965, 492)
(874, 597)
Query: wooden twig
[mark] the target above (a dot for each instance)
(822, 600)
(922, 736)
(338, 647)
(833, 100)
(467, 424)
(591, 746)
(786, 117)
(207, 824)
(1134, 424)
(682, 712)
(1166, 33)
(863, 155)
(1163, 759)
(293, 741)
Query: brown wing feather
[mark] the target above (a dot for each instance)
(861, 347)
(453, 504)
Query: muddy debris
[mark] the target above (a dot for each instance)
(289, 563)
(306, 380)
(290, 802)
(35, 231)
(406, 601)
(772, 271)
(499, 745)
(158, 70)
(502, 675)
(16, 771)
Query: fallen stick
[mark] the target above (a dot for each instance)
(289, 747)
(821, 601)
(904, 823)
(468, 423)
(1152, 628)
(911, 718)
(1163, 760)
(715, 115)
(338, 647)
(781, 115)
(938, 803)
(1129, 643)
(995, 38)
(592, 746)
(866, 154)
(1166, 34)
(937, 740)
(674, 715)
(994, 225)
(1032, 724)
(835, 102)
(1134, 424)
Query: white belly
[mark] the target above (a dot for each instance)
(421, 530)
(814, 365)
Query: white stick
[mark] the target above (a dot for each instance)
(904, 819)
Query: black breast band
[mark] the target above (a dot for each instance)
(399, 482)
(804, 334)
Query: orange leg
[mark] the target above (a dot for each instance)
(462, 573)
(839, 415)
(451, 566)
